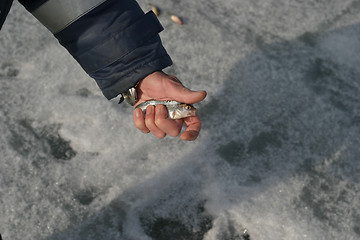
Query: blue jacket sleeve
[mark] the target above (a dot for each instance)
(114, 41)
(4, 10)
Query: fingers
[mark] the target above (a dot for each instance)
(157, 122)
(139, 121)
(192, 131)
(165, 124)
(150, 123)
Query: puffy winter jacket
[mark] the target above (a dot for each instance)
(113, 40)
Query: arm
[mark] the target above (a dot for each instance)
(113, 41)
(118, 45)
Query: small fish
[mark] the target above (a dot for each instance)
(176, 109)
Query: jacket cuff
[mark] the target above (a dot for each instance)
(124, 73)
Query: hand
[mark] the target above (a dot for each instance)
(161, 86)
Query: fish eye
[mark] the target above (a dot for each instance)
(188, 107)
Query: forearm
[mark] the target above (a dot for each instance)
(114, 41)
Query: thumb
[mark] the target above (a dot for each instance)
(182, 94)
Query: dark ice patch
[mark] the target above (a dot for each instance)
(171, 227)
(230, 230)
(8, 70)
(167, 228)
(19, 144)
(309, 39)
(59, 147)
(232, 234)
(259, 143)
(28, 140)
(318, 74)
(163, 229)
(336, 85)
(232, 152)
(83, 92)
(86, 196)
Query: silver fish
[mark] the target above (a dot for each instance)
(177, 110)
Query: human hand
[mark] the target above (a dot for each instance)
(161, 86)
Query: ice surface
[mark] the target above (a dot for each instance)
(278, 154)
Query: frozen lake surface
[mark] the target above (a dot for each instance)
(278, 155)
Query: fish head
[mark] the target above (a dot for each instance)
(184, 110)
